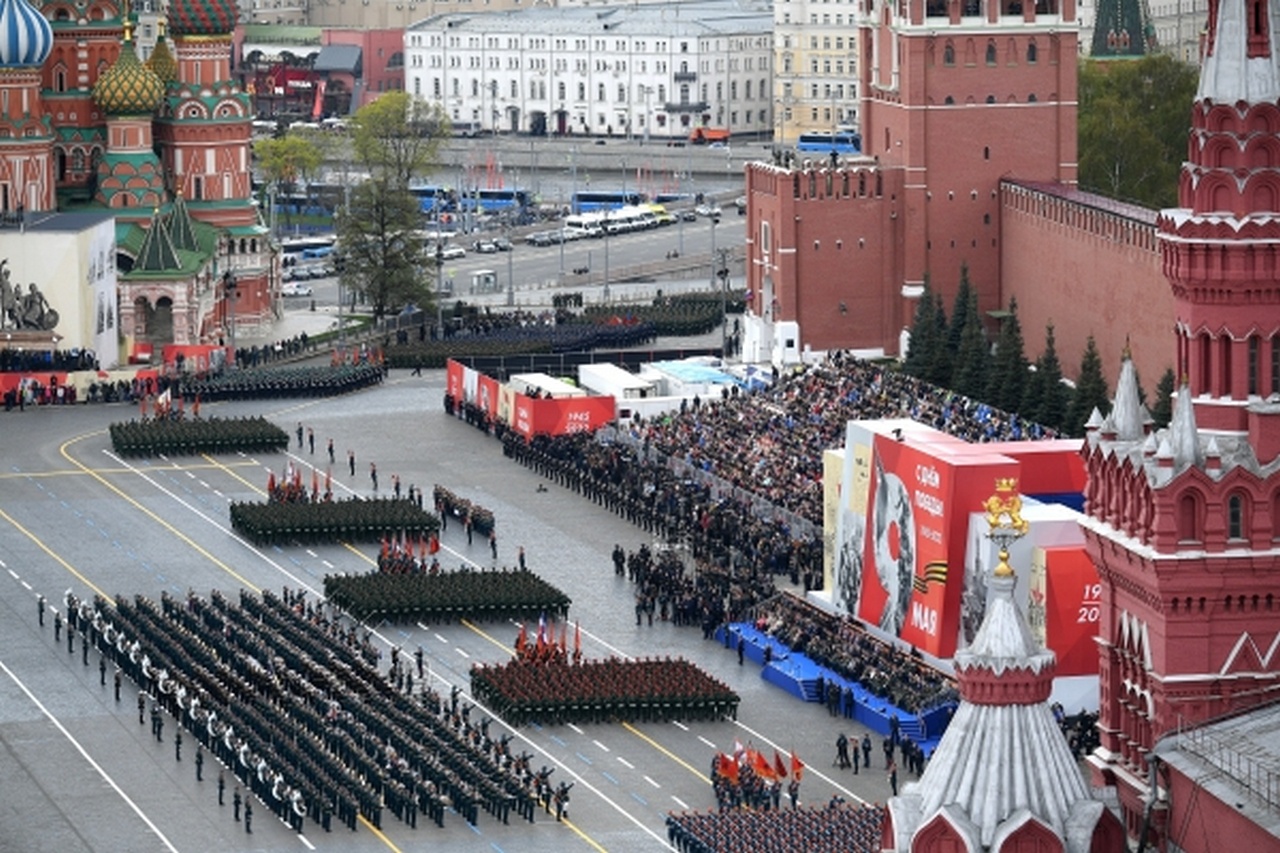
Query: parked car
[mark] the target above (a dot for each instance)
(450, 253)
(295, 288)
(502, 243)
(688, 216)
(707, 210)
(484, 247)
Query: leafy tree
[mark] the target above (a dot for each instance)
(973, 361)
(382, 254)
(924, 336)
(1007, 383)
(395, 140)
(1162, 411)
(286, 160)
(1133, 125)
(1091, 390)
(397, 137)
(1046, 396)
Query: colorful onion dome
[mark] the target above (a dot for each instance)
(127, 87)
(25, 35)
(202, 17)
(161, 61)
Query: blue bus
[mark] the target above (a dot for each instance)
(495, 201)
(587, 201)
(434, 200)
(825, 142)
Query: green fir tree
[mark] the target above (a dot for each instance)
(1091, 390)
(1008, 381)
(959, 312)
(973, 361)
(1162, 411)
(924, 337)
(1051, 406)
(943, 361)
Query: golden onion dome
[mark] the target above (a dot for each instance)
(128, 87)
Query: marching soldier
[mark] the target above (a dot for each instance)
(40, 608)
(235, 803)
(118, 681)
(57, 627)
(199, 763)
(222, 787)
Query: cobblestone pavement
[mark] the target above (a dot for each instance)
(79, 773)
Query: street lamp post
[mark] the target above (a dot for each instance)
(723, 272)
(231, 294)
(606, 256)
(439, 284)
(511, 282)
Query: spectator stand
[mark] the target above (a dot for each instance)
(811, 680)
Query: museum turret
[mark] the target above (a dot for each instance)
(1003, 779)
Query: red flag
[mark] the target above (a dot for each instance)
(577, 638)
(797, 767)
(328, 480)
(142, 399)
(779, 767)
(434, 547)
(760, 764)
(386, 548)
(271, 482)
(522, 640)
(195, 407)
(729, 769)
(315, 482)
(564, 636)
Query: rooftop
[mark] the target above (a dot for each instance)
(699, 18)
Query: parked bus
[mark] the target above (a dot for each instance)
(841, 142)
(587, 201)
(306, 249)
(434, 200)
(494, 201)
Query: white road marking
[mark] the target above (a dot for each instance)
(625, 763)
(602, 746)
(304, 840)
(575, 728)
(682, 726)
(651, 782)
(707, 742)
(679, 802)
(311, 554)
(27, 585)
(461, 652)
(326, 564)
(221, 495)
(58, 724)
(442, 639)
(189, 475)
(13, 574)
(203, 483)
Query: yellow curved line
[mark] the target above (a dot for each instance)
(197, 547)
(232, 474)
(668, 753)
(43, 547)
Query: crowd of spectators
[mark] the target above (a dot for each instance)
(771, 442)
(257, 355)
(41, 360)
(1080, 730)
(724, 533)
(837, 828)
(842, 645)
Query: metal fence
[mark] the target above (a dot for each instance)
(1260, 780)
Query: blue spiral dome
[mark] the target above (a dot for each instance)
(25, 36)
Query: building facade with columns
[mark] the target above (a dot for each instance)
(652, 70)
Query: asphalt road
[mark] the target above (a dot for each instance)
(78, 772)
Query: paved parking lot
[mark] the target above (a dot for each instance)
(79, 773)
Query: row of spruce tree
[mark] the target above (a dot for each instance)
(958, 355)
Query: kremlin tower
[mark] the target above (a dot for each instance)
(1002, 779)
(1183, 524)
(26, 148)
